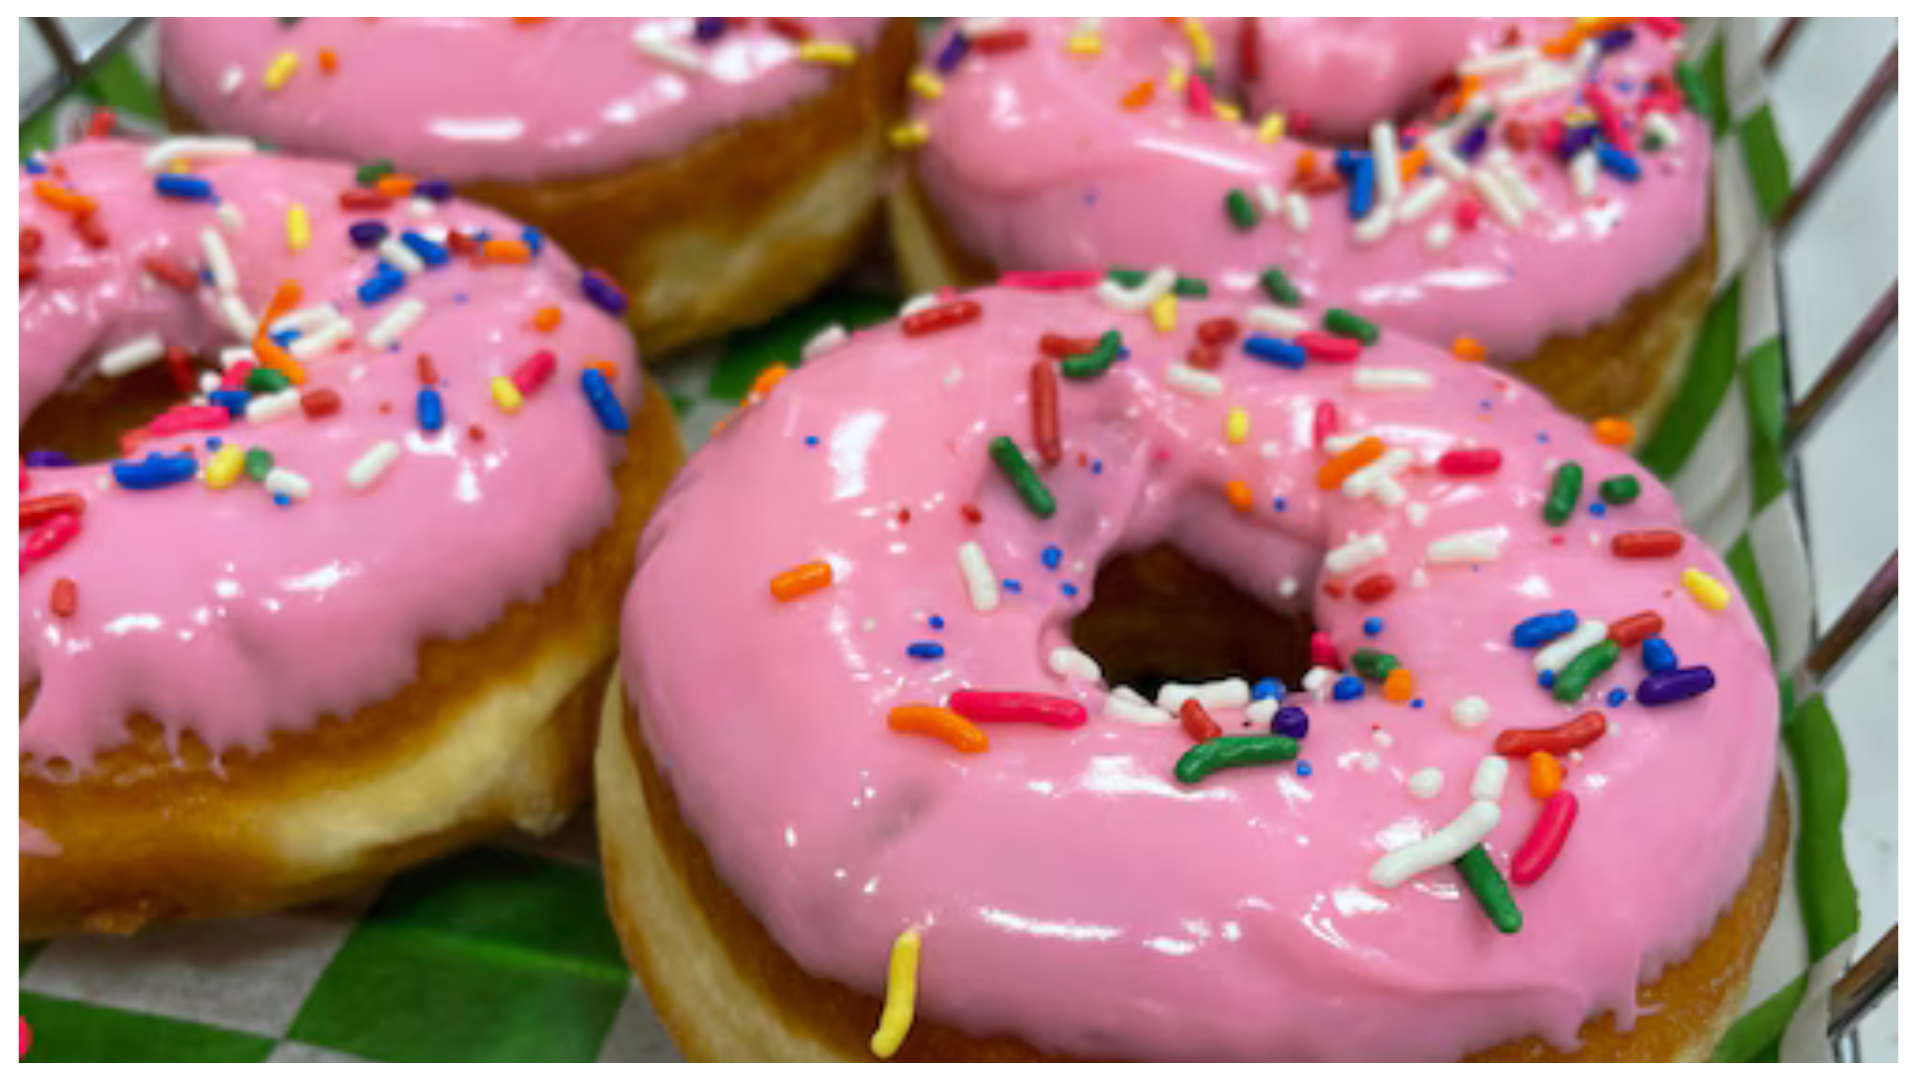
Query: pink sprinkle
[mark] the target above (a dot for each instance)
(1466, 214)
(1326, 421)
(533, 372)
(1050, 280)
(188, 418)
(236, 376)
(1324, 654)
(1329, 348)
(1611, 128)
(1665, 26)
(1199, 97)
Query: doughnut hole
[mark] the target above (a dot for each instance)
(1159, 616)
(85, 422)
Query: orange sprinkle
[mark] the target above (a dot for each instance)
(546, 319)
(285, 295)
(506, 251)
(60, 198)
(394, 185)
(1543, 774)
(943, 724)
(1399, 685)
(1412, 162)
(801, 580)
(1306, 164)
(329, 62)
(1138, 97)
(1469, 349)
(605, 368)
(764, 382)
(529, 22)
(1564, 45)
(271, 355)
(1613, 431)
(1240, 495)
(1357, 457)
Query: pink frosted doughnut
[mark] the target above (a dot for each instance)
(1088, 889)
(1100, 145)
(245, 684)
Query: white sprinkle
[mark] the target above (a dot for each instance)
(1556, 656)
(1289, 585)
(132, 356)
(286, 482)
(233, 354)
(1541, 80)
(195, 148)
(1356, 553)
(824, 342)
(1129, 707)
(1156, 284)
(1523, 194)
(1383, 740)
(1477, 546)
(1386, 164)
(1317, 681)
(1426, 783)
(1440, 153)
(1277, 320)
(1194, 381)
(1270, 449)
(1438, 849)
(1370, 762)
(1439, 235)
(1499, 60)
(1418, 578)
(869, 624)
(219, 260)
(1299, 214)
(983, 589)
(1665, 132)
(231, 79)
(1417, 514)
(1494, 193)
(1490, 778)
(265, 408)
(984, 24)
(209, 382)
(1376, 478)
(396, 322)
(1261, 712)
(1224, 694)
(400, 255)
(1374, 227)
(1071, 663)
(321, 340)
(654, 40)
(1378, 379)
(1269, 198)
(422, 207)
(239, 319)
(1585, 170)
(1469, 713)
(230, 216)
(1340, 444)
(373, 464)
(1421, 200)
(306, 318)
(917, 304)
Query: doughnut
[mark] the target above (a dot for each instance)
(325, 507)
(922, 746)
(1534, 191)
(719, 169)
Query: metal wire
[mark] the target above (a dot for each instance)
(70, 66)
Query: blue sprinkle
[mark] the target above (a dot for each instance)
(1657, 656)
(282, 499)
(1537, 631)
(1268, 688)
(430, 411)
(606, 407)
(430, 253)
(1303, 769)
(951, 54)
(1546, 680)
(34, 166)
(926, 650)
(1098, 468)
(1619, 162)
(605, 294)
(1598, 509)
(531, 237)
(937, 623)
(284, 338)
(1277, 351)
(1348, 688)
(1360, 190)
(1486, 404)
(1012, 585)
(1541, 437)
(813, 440)
(366, 234)
(1050, 557)
(214, 442)
(1069, 589)
(1418, 703)
(157, 471)
(234, 401)
(1617, 696)
(381, 285)
(459, 298)
(1280, 505)
(1373, 626)
(182, 186)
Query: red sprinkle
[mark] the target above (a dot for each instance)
(65, 599)
(368, 199)
(1220, 331)
(1373, 588)
(1326, 421)
(943, 317)
(1635, 629)
(999, 41)
(1572, 735)
(92, 233)
(1320, 648)
(1609, 117)
(30, 240)
(319, 403)
(1203, 357)
(1652, 544)
(1250, 51)
(1549, 833)
(1050, 280)
(100, 124)
(180, 366)
(1329, 348)
(791, 29)
(534, 372)
(477, 433)
(1060, 347)
(1478, 461)
(29, 272)
(428, 376)
(1194, 720)
(170, 272)
(1046, 412)
(48, 538)
(44, 508)
(971, 513)
(991, 707)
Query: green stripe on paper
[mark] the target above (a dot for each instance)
(117, 83)
(1829, 902)
(779, 340)
(1713, 84)
(1764, 380)
(1766, 161)
(1755, 1037)
(72, 1031)
(1746, 572)
(1710, 370)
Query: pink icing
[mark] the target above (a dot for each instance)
(485, 99)
(1069, 891)
(226, 616)
(1032, 163)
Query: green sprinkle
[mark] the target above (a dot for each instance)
(1032, 490)
(1094, 364)
(369, 174)
(1619, 490)
(1695, 88)
(1374, 664)
(1592, 662)
(259, 463)
(1279, 288)
(1484, 881)
(1240, 211)
(1565, 493)
(262, 380)
(1232, 752)
(1347, 324)
(1128, 278)
(1191, 287)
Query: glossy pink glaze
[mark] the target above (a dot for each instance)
(1032, 163)
(223, 615)
(486, 99)
(1070, 892)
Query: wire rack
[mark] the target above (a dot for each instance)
(1875, 974)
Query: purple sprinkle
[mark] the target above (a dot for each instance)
(1290, 721)
(366, 234)
(1667, 687)
(709, 29)
(601, 289)
(951, 54)
(48, 459)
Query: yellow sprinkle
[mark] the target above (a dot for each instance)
(505, 394)
(224, 467)
(909, 135)
(1706, 589)
(1085, 44)
(1272, 127)
(299, 228)
(837, 53)
(1177, 78)
(1200, 40)
(926, 83)
(1227, 110)
(280, 70)
(1236, 425)
(1164, 311)
(903, 978)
